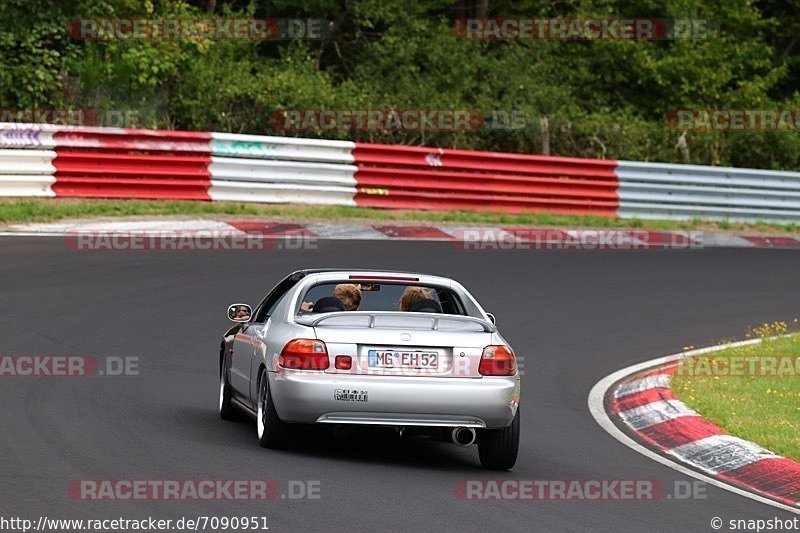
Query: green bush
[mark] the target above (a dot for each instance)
(604, 99)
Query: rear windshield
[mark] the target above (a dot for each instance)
(330, 297)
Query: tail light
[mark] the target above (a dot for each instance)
(304, 354)
(498, 360)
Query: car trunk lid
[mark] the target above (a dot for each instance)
(403, 344)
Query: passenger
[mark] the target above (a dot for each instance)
(412, 295)
(242, 313)
(349, 294)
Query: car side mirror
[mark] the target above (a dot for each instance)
(492, 318)
(240, 312)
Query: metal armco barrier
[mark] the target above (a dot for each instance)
(405, 177)
(662, 191)
(26, 160)
(278, 170)
(45, 160)
(27, 172)
(248, 180)
(122, 174)
(285, 148)
(132, 141)
(120, 163)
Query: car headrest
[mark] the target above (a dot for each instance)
(328, 304)
(427, 305)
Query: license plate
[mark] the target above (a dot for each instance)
(402, 359)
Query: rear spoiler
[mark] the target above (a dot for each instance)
(314, 320)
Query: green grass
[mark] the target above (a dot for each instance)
(764, 409)
(48, 209)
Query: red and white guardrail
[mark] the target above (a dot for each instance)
(71, 161)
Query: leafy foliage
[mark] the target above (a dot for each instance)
(600, 98)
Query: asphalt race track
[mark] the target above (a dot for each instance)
(574, 316)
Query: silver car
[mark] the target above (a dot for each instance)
(410, 351)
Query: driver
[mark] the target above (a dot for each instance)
(347, 293)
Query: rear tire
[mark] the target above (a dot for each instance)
(498, 448)
(226, 409)
(272, 431)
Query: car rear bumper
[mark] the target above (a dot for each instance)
(316, 397)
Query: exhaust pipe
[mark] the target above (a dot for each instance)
(464, 436)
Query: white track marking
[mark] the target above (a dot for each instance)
(641, 385)
(654, 413)
(127, 226)
(721, 453)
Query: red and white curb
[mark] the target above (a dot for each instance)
(482, 237)
(637, 407)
